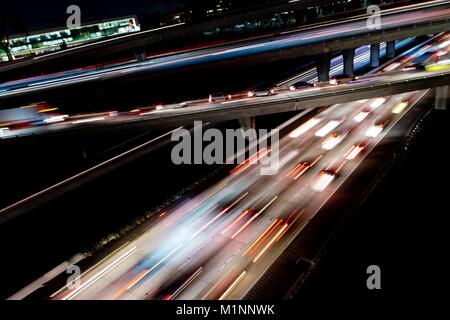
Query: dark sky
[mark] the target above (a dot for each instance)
(45, 14)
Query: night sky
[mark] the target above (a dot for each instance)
(46, 14)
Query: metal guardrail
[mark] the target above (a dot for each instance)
(283, 102)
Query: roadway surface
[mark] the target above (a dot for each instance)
(243, 107)
(218, 244)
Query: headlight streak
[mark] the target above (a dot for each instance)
(219, 215)
(301, 168)
(400, 107)
(377, 103)
(251, 160)
(354, 151)
(322, 182)
(332, 141)
(241, 216)
(54, 119)
(361, 116)
(99, 275)
(184, 285)
(154, 267)
(253, 218)
(262, 237)
(129, 283)
(89, 120)
(233, 285)
(374, 131)
(271, 241)
(266, 234)
(326, 129)
(304, 127)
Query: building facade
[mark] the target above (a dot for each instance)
(21, 46)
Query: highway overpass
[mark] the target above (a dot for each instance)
(320, 41)
(243, 107)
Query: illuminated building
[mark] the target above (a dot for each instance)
(21, 46)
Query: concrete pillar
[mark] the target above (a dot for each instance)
(390, 49)
(249, 123)
(375, 55)
(441, 98)
(349, 57)
(323, 66)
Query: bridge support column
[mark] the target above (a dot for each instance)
(249, 123)
(140, 54)
(349, 57)
(390, 49)
(441, 98)
(323, 66)
(375, 55)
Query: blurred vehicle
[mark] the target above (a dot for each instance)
(400, 107)
(412, 68)
(92, 117)
(327, 175)
(302, 167)
(391, 67)
(322, 84)
(323, 180)
(362, 79)
(305, 127)
(150, 109)
(341, 79)
(377, 127)
(3, 131)
(440, 65)
(143, 110)
(17, 118)
(301, 85)
(327, 128)
(362, 115)
(422, 58)
(31, 115)
(355, 150)
(261, 93)
(441, 54)
(334, 139)
(134, 112)
(378, 102)
(218, 97)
